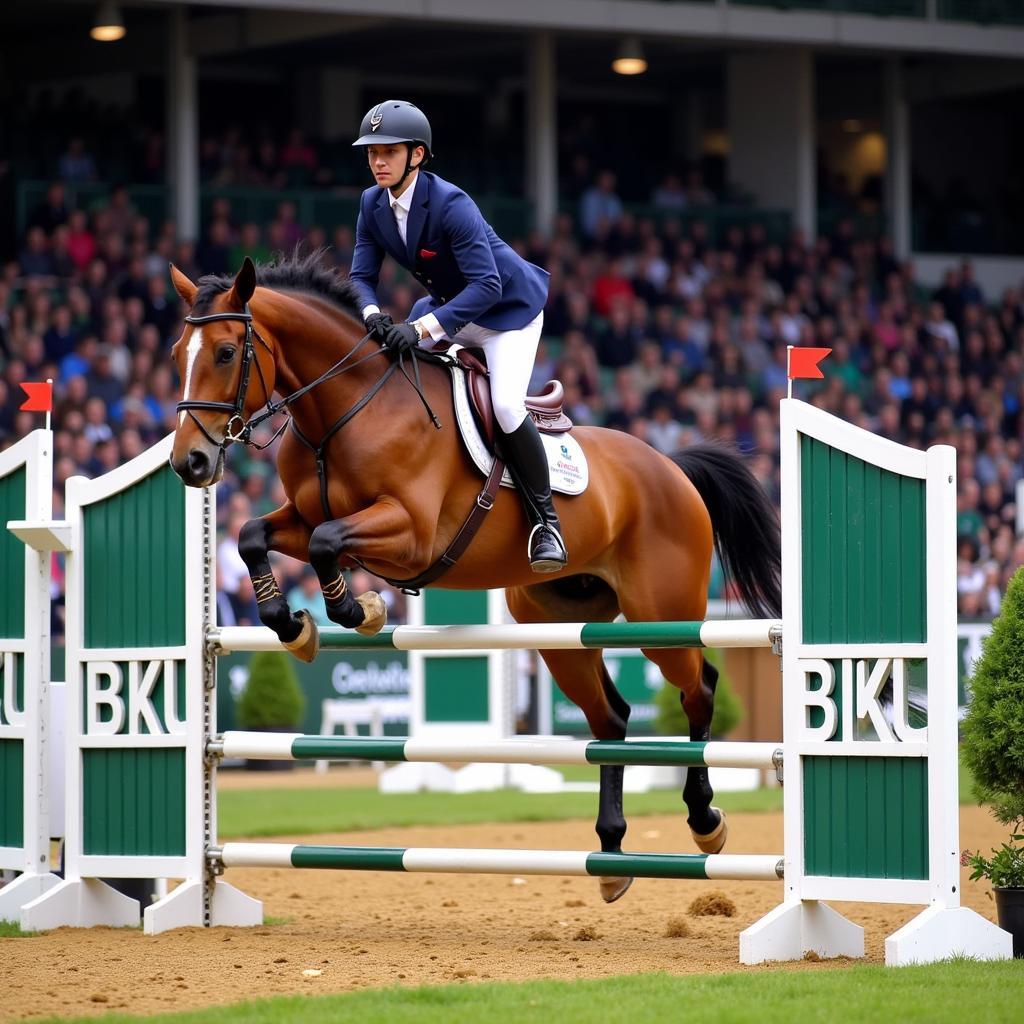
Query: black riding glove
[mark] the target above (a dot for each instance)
(401, 338)
(377, 326)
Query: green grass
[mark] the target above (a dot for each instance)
(989, 992)
(10, 930)
(281, 812)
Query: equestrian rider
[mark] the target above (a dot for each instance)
(479, 289)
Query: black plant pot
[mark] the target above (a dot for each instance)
(1010, 911)
(254, 765)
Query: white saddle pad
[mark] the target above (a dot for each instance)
(567, 464)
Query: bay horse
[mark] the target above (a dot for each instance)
(394, 491)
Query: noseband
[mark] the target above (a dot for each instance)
(237, 429)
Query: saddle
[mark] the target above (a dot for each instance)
(545, 408)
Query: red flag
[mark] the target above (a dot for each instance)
(803, 363)
(40, 397)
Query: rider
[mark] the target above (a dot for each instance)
(479, 289)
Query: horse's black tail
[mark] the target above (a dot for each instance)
(745, 523)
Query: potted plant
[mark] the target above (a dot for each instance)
(993, 750)
(1005, 870)
(272, 701)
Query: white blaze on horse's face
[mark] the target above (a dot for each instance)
(195, 343)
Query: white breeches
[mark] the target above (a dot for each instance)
(510, 356)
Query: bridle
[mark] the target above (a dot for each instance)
(238, 428)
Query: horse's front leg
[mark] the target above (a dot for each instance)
(381, 533)
(282, 531)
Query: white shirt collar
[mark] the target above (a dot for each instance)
(405, 199)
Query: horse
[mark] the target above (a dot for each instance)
(387, 490)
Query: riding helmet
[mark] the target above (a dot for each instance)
(395, 121)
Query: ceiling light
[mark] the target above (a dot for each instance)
(630, 59)
(108, 26)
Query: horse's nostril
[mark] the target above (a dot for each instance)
(198, 464)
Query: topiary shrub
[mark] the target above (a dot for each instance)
(671, 720)
(993, 731)
(272, 698)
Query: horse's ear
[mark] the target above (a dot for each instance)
(245, 284)
(183, 286)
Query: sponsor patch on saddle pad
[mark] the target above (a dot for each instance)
(567, 464)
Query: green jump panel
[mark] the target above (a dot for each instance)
(866, 817)
(12, 793)
(456, 689)
(12, 555)
(134, 802)
(134, 563)
(864, 571)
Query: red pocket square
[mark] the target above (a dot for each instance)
(427, 254)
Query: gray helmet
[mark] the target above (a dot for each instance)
(395, 121)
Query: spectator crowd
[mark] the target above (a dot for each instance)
(657, 325)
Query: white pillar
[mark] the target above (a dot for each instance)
(694, 139)
(340, 111)
(182, 127)
(327, 102)
(541, 130)
(772, 130)
(897, 158)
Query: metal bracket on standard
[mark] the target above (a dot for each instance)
(775, 636)
(215, 861)
(778, 760)
(214, 753)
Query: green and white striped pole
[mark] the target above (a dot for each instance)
(513, 636)
(500, 862)
(532, 750)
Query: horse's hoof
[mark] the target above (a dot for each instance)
(613, 888)
(375, 613)
(306, 646)
(714, 840)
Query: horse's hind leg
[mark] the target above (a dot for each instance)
(696, 678)
(666, 592)
(707, 823)
(583, 678)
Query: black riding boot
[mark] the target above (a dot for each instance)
(528, 464)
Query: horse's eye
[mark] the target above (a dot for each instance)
(225, 355)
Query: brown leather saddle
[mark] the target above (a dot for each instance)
(545, 408)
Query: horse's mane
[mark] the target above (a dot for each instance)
(290, 273)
